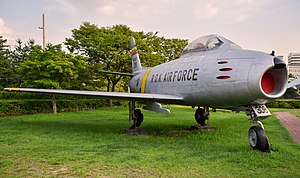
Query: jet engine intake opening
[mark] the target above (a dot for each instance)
(273, 82)
(267, 83)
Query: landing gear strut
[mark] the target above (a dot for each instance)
(256, 134)
(136, 115)
(201, 115)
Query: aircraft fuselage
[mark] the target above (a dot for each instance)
(226, 78)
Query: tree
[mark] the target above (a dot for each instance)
(107, 48)
(7, 74)
(291, 75)
(22, 50)
(52, 68)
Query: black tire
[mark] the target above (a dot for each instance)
(139, 117)
(258, 139)
(199, 116)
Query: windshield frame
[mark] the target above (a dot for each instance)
(202, 44)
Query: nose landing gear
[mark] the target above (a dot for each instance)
(256, 134)
(258, 139)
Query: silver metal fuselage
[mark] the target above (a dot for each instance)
(217, 78)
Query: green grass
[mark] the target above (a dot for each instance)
(93, 144)
(296, 113)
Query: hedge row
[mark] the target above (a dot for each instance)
(18, 103)
(19, 107)
(292, 104)
(24, 95)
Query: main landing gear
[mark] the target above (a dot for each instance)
(201, 115)
(256, 134)
(136, 115)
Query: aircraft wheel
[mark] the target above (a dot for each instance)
(199, 116)
(258, 139)
(139, 117)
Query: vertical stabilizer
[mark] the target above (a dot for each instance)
(136, 63)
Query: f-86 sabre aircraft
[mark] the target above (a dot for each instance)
(212, 72)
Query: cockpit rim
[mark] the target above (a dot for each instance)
(202, 44)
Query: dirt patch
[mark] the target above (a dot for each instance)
(137, 131)
(199, 127)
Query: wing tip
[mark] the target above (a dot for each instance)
(11, 89)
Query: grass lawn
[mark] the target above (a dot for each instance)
(93, 144)
(296, 113)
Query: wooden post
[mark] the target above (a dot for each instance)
(54, 104)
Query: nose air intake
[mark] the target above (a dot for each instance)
(267, 82)
(274, 80)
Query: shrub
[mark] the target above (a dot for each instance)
(292, 104)
(12, 103)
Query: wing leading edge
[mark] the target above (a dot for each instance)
(294, 83)
(113, 95)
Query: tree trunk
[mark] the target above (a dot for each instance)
(54, 104)
(108, 84)
(107, 89)
(114, 83)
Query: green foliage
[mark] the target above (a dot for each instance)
(12, 103)
(51, 68)
(6, 66)
(107, 49)
(93, 144)
(93, 49)
(291, 104)
(33, 106)
(291, 75)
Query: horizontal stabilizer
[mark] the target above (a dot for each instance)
(115, 73)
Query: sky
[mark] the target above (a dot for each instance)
(262, 25)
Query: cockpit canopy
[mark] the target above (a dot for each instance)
(209, 42)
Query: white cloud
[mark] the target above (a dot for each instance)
(62, 5)
(5, 31)
(242, 2)
(207, 10)
(121, 8)
(230, 11)
(107, 10)
(242, 10)
(239, 17)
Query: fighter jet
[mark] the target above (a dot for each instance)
(212, 72)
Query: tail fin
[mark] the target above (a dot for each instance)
(136, 62)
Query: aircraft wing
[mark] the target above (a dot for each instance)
(294, 83)
(113, 95)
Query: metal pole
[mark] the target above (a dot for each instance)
(44, 32)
